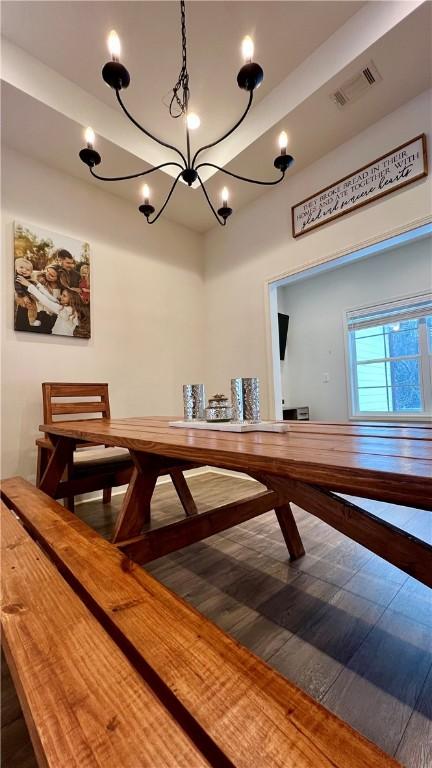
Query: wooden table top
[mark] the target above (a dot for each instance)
(391, 462)
(379, 461)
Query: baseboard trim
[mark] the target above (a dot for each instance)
(166, 479)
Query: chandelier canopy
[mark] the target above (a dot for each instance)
(249, 78)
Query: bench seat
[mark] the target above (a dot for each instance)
(100, 455)
(91, 454)
(88, 454)
(235, 709)
(84, 703)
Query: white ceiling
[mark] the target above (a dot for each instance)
(54, 51)
(70, 37)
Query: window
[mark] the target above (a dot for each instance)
(390, 358)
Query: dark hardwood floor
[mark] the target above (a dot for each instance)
(352, 630)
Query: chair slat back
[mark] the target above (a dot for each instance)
(53, 391)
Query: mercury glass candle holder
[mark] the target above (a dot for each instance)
(193, 402)
(251, 400)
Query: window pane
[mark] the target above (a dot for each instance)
(403, 338)
(374, 331)
(404, 372)
(374, 400)
(370, 347)
(429, 331)
(407, 399)
(372, 375)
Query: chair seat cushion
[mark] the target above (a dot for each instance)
(100, 455)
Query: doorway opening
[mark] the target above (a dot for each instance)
(351, 338)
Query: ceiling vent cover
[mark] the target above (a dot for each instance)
(356, 86)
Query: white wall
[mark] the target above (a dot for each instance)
(147, 306)
(316, 308)
(257, 244)
(170, 325)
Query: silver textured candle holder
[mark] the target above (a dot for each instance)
(251, 400)
(237, 399)
(193, 402)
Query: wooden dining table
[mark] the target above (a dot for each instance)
(313, 465)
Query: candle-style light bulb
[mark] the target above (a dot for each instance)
(247, 49)
(225, 196)
(114, 45)
(283, 142)
(193, 121)
(146, 194)
(89, 137)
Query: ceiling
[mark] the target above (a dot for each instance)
(53, 53)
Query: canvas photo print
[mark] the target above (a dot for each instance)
(51, 283)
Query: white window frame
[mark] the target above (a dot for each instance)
(424, 357)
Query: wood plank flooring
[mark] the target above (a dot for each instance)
(352, 630)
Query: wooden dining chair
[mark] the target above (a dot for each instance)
(94, 468)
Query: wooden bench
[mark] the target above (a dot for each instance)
(108, 662)
(84, 703)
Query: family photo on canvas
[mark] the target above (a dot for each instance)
(52, 283)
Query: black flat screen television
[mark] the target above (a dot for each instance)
(283, 321)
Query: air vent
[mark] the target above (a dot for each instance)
(356, 86)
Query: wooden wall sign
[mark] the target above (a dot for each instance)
(392, 171)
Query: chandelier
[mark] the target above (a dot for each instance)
(249, 78)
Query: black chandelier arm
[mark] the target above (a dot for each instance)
(225, 136)
(222, 222)
(147, 133)
(243, 178)
(152, 221)
(133, 175)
